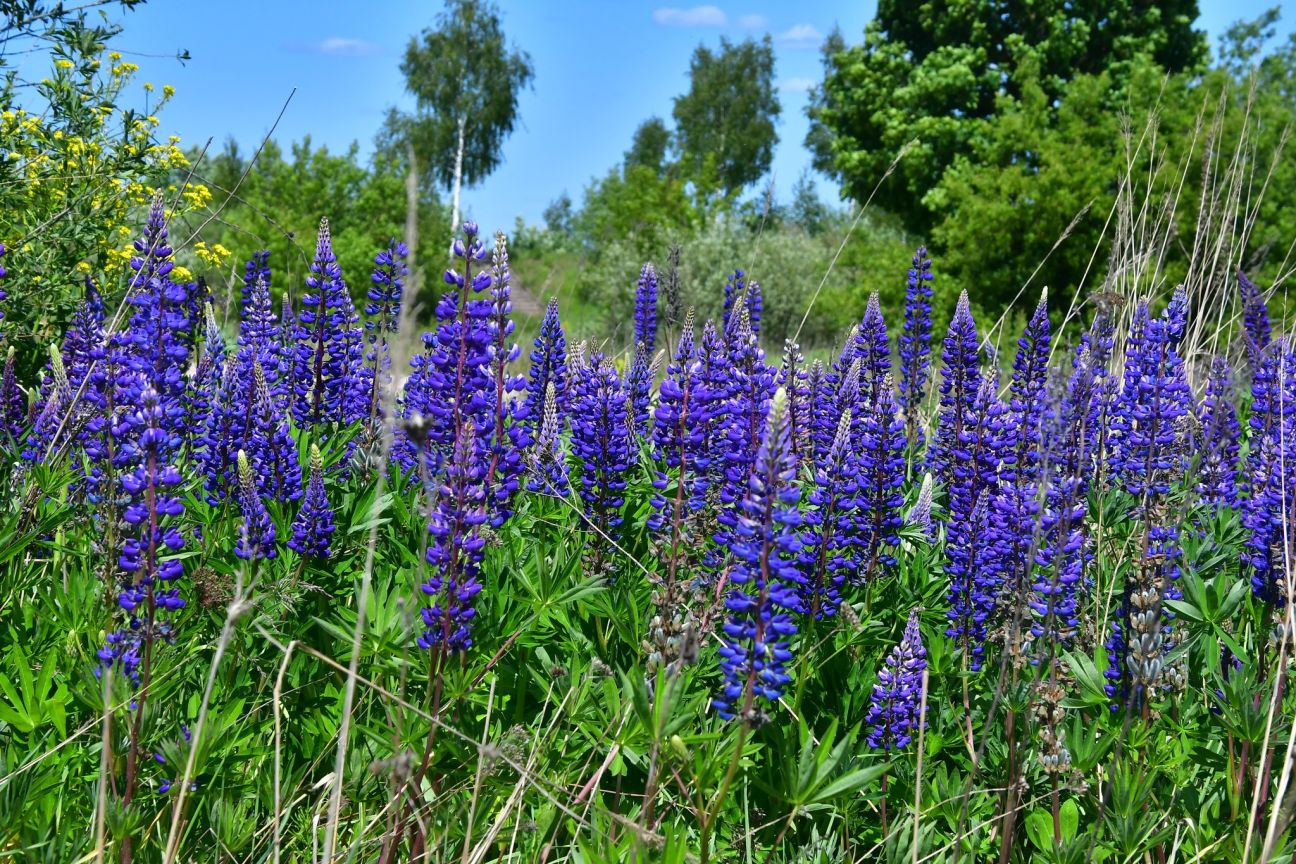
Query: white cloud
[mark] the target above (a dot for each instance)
(752, 22)
(801, 36)
(338, 46)
(796, 85)
(698, 16)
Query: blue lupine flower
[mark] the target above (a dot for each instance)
(829, 554)
(147, 593)
(896, 708)
(1029, 375)
(879, 448)
(84, 341)
(256, 540)
(1221, 435)
(386, 290)
(509, 436)
(323, 350)
(638, 384)
(262, 336)
(54, 414)
(548, 365)
(1270, 511)
(767, 585)
(1153, 399)
(601, 439)
(204, 389)
(270, 445)
(549, 462)
(735, 287)
(977, 555)
(915, 345)
(158, 326)
(645, 319)
(451, 384)
(680, 421)
(13, 402)
(795, 380)
(1255, 321)
(457, 547)
(960, 381)
(873, 348)
(312, 530)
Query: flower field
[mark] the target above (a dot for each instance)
(286, 584)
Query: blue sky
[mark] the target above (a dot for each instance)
(602, 67)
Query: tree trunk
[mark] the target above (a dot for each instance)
(458, 179)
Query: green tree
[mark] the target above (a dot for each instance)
(465, 80)
(725, 122)
(937, 72)
(282, 196)
(648, 148)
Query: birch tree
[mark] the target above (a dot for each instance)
(465, 79)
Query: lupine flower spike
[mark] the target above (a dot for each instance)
(312, 530)
(915, 345)
(897, 696)
(256, 540)
(767, 584)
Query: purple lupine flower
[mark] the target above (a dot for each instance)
(823, 388)
(549, 462)
(717, 380)
(767, 584)
(257, 269)
(509, 436)
(1149, 458)
(1060, 553)
(320, 358)
(749, 388)
(1153, 399)
(457, 547)
(829, 555)
(755, 303)
(735, 287)
(451, 384)
(638, 384)
(982, 454)
(158, 325)
(915, 345)
(960, 381)
(1270, 511)
(879, 448)
(897, 696)
(205, 386)
(873, 348)
(256, 540)
(313, 528)
(793, 378)
(1029, 375)
(270, 444)
(548, 365)
(1255, 321)
(147, 593)
(1221, 435)
(85, 340)
(977, 557)
(645, 318)
(261, 335)
(54, 420)
(920, 515)
(680, 421)
(13, 401)
(386, 290)
(602, 440)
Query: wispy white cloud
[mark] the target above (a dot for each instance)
(796, 85)
(800, 36)
(752, 22)
(340, 46)
(698, 16)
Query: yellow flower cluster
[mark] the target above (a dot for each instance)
(213, 255)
